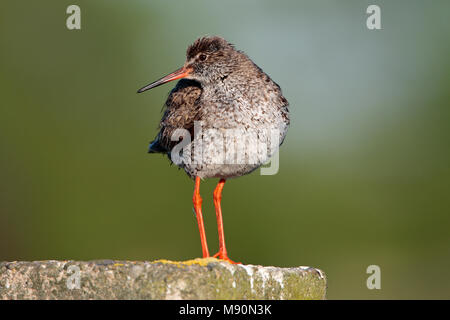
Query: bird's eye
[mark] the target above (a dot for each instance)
(202, 57)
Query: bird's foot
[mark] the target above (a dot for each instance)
(223, 256)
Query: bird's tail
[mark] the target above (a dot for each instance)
(156, 147)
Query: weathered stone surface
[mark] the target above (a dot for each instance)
(162, 279)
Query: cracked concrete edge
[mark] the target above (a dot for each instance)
(162, 279)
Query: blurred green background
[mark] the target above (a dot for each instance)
(364, 172)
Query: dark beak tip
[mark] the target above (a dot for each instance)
(143, 89)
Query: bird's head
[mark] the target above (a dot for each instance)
(208, 60)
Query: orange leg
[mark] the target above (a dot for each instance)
(197, 200)
(222, 254)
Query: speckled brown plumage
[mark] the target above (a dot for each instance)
(225, 91)
(181, 110)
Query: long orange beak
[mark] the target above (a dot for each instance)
(180, 73)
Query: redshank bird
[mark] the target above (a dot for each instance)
(217, 120)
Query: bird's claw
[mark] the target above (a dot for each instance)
(223, 256)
